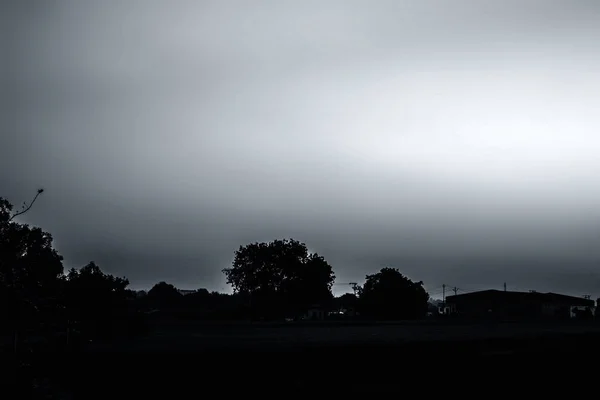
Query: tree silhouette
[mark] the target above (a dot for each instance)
(95, 300)
(280, 277)
(390, 295)
(346, 301)
(164, 295)
(205, 305)
(30, 271)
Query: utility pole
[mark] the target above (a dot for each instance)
(455, 290)
(354, 286)
(444, 294)
(505, 286)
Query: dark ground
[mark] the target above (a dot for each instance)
(196, 360)
(189, 338)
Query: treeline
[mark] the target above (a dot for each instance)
(279, 280)
(165, 302)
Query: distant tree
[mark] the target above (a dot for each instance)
(164, 295)
(280, 277)
(346, 301)
(345, 306)
(203, 304)
(202, 292)
(390, 295)
(95, 300)
(432, 307)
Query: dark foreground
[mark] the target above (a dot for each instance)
(262, 360)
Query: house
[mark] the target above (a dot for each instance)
(519, 305)
(315, 312)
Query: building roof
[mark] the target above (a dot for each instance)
(542, 297)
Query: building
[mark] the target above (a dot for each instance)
(519, 305)
(315, 312)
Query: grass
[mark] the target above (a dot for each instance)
(264, 358)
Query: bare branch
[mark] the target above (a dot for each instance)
(40, 191)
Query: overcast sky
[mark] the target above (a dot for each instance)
(454, 140)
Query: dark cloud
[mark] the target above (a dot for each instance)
(457, 142)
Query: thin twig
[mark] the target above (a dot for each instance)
(40, 191)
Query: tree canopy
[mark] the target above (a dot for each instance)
(390, 295)
(92, 286)
(93, 298)
(164, 294)
(30, 268)
(280, 273)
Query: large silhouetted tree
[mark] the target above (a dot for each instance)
(280, 277)
(30, 270)
(390, 295)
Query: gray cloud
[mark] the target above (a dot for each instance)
(455, 141)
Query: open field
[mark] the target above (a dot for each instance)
(203, 359)
(278, 337)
